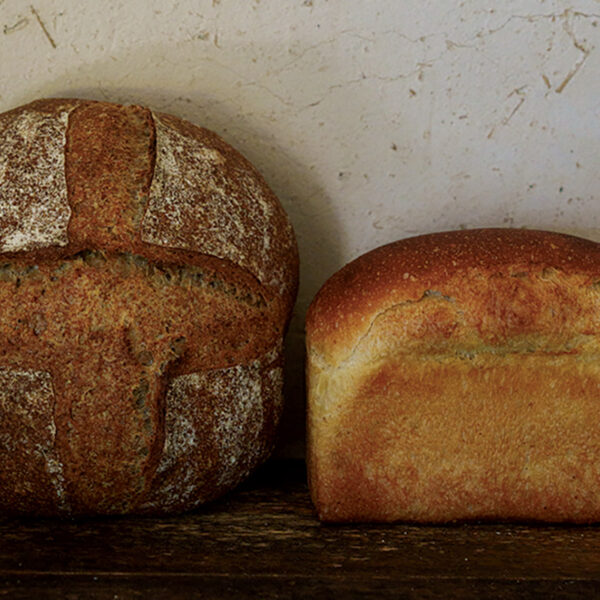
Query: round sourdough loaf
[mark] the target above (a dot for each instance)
(147, 275)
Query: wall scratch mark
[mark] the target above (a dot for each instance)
(536, 17)
(43, 26)
(20, 24)
(269, 91)
(513, 112)
(421, 66)
(519, 92)
(585, 52)
(572, 73)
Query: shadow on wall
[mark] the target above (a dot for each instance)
(235, 113)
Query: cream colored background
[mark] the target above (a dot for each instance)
(371, 120)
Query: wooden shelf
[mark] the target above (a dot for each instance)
(264, 541)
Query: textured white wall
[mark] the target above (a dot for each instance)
(372, 121)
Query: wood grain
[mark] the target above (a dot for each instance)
(265, 541)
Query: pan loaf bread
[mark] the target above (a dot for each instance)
(456, 376)
(147, 275)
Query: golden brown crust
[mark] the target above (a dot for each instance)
(459, 265)
(453, 376)
(111, 319)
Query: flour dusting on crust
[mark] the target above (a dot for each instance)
(215, 424)
(28, 434)
(34, 208)
(200, 201)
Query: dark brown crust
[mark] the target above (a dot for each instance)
(111, 321)
(234, 199)
(110, 152)
(211, 430)
(105, 140)
(30, 469)
(454, 376)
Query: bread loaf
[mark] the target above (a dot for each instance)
(455, 376)
(147, 275)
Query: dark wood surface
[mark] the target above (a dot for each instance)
(264, 541)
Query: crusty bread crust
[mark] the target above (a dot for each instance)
(453, 376)
(128, 313)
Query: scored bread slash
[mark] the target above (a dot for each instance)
(149, 269)
(208, 430)
(34, 208)
(206, 198)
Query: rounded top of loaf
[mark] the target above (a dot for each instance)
(84, 175)
(147, 277)
(458, 267)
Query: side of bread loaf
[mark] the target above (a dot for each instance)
(147, 277)
(454, 376)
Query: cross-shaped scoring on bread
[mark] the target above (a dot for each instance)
(147, 273)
